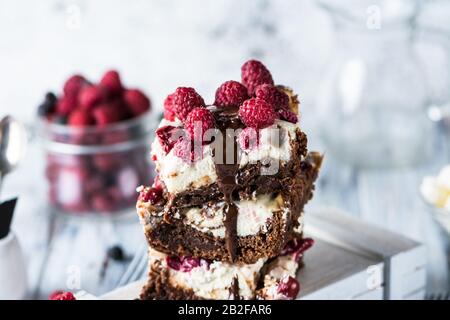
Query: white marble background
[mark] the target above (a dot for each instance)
(158, 45)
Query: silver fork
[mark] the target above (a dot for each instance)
(438, 296)
(137, 267)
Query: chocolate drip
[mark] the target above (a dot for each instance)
(234, 289)
(227, 169)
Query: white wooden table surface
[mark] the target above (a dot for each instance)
(75, 258)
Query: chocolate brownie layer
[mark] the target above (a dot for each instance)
(166, 229)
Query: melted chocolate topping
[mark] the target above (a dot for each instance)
(234, 289)
(227, 168)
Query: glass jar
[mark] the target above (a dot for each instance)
(373, 102)
(95, 170)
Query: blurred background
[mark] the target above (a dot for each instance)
(373, 78)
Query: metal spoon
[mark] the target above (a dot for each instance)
(12, 145)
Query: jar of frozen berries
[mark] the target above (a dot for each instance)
(96, 143)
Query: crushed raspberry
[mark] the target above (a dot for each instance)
(257, 113)
(74, 84)
(61, 295)
(254, 73)
(90, 96)
(198, 122)
(230, 93)
(169, 112)
(106, 114)
(185, 100)
(136, 101)
(271, 94)
(248, 139)
(185, 264)
(289, 287)
(187, 150)
(111, 81)
(168, 136)
(66, 105)
(297, 247)
(80, 118)
(287, 115)
(189, 263)
(152, 195)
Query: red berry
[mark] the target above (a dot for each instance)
(66, 105)
(136, 101)
(173, 263)
(111, 81)
(297, 247)
(187, 150)
(90, 96)
(189, 263)
(152, 195)
(168, 136)
(287, 115)
(80, 118)
(271, 94)
(169, 112)
(185, 100)
(61, 295)
(289, 287)
(106, 114)
(198, 122)
(230, 93)
(248, 139)
(257, 113)
(254, 73)
(74, 84)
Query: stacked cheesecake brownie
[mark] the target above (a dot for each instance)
(223, 219)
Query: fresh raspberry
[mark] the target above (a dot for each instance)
(90, 96)
(136, 101)
(248, 139)
(287, 115)
(168, 136)
(74, 84)
(230, 93)
(66, 105)
(169, 112)
(257, 113)
(271, 94)
(254, 73)
(289, 287)
(152, 195)
(61, 295)
(187, 151)
(111, 81)
(297, 247)
(80, 118)
(198, 122)
(106, 114)
(185, 100)
(102, 202)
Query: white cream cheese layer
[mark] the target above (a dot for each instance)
(254, 216)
